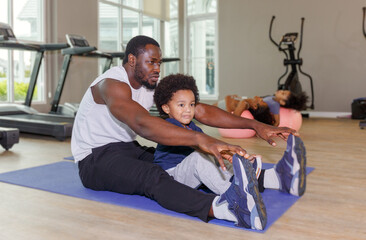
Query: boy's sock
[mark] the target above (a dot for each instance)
(221, 210)
(271, 179)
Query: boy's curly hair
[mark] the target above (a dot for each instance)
(297, 101)
(171, 84)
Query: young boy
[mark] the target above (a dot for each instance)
(176, 97)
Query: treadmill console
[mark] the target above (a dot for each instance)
(6, 33)
(76, 40)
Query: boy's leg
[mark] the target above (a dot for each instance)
(289, 174)
(198, 168)
(243, 198)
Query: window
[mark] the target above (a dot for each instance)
(201, 50)
(171, 39)
(121, 20)
(25, 17)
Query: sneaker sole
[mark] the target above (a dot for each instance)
(253, 192)
(299, 152)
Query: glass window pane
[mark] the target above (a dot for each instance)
(4, 75)
(202, 54)
(171, 39)
(114, 1)
(130, 26)
(150, 27)
(27, 16)
(170, 68)
(132, 3)
(4, 11)
(173, 9)
(23, 61)
(108, 27)
(201, 6)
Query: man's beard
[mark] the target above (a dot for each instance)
(139, 76)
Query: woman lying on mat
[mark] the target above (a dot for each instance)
(264, 109)
(176, 97)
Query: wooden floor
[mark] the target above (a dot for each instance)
(333, 207)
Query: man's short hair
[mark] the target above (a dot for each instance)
(136, 46)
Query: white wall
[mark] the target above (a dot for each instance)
(334, 48)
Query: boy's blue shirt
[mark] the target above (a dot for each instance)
(170, 156)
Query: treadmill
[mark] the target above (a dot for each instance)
(23, 117)
(8, 137)
(80, 47)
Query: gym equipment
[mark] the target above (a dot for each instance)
(8, 137)
(238, 133)
(292, 82)
(363, 123)
(290, 118)
(79, 46)
(23, 117)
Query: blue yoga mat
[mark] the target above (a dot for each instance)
(63, 178)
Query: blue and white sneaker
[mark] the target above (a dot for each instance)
(291, 169)
(243, 197)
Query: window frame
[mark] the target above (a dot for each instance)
(195, 18)
(41, 82)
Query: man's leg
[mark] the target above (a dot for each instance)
(116, 167)
(289, 174)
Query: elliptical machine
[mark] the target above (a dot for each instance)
(292, 82)
(363, 123)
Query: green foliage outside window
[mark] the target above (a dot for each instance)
(20, 90)
(3, 90)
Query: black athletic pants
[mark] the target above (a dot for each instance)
(127, 168)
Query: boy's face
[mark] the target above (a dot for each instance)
(181, 106)
(282, 96)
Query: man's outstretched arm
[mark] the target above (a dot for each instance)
(117, 96)
(215, 117)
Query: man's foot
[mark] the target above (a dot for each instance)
(291, 169)
(243, 197)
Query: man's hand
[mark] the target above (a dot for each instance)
(267, 132)
(220, 149)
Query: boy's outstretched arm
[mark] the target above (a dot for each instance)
(215, 117)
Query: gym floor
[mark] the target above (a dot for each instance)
(333, 206)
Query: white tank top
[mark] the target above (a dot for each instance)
(95, 126)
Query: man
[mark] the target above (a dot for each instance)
(115, 108)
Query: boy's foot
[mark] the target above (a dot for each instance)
(243, 197)
(291, 169)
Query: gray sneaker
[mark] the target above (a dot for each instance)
(243, 196)
(291, 169)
